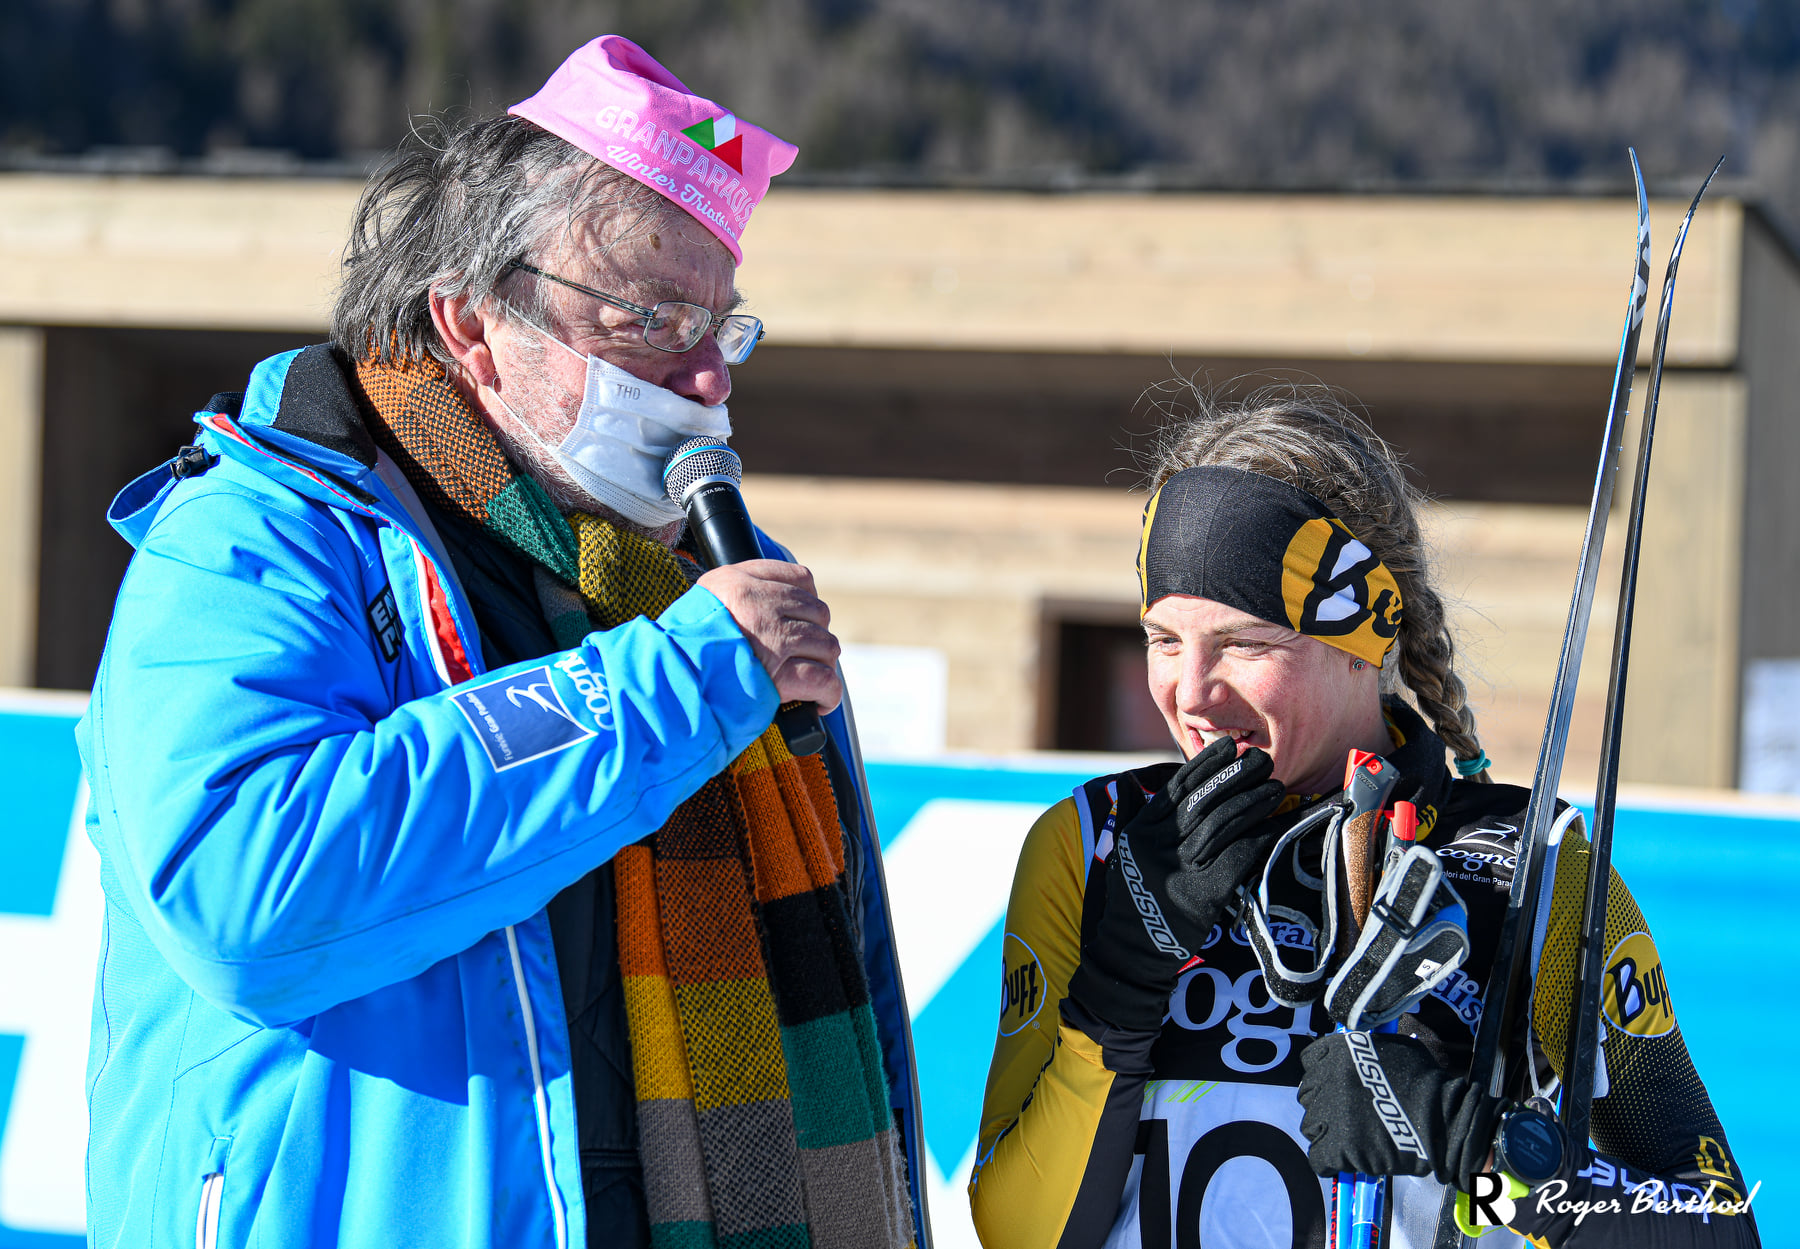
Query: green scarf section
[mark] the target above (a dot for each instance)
(454, 461)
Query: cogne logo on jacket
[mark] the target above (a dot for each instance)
(520, 718)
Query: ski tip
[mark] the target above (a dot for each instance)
(1717, 165)
(1693, 207)
(1643, 197)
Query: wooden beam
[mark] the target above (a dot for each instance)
(1316, 276)
(1681, 725)
(970, 569)
(190, 253)
(21, 443)
(1284, 276)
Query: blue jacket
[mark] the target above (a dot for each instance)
(328, 1009)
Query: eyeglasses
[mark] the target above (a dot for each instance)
(675, 326)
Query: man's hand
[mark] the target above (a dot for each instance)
(1173, 871)
(1380, 1104)
(785, 620)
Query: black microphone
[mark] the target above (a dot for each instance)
(702, 477)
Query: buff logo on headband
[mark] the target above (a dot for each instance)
(615, 102)
(1267, 548)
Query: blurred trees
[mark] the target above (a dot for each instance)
(1246, 93)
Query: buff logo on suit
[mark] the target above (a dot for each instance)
(1021, 985)
(1636, 995)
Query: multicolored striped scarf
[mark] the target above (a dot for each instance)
(764, 1119)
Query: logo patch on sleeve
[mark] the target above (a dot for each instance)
(1021, 985)
(384, 619)
(520, 718)
(1636, 995)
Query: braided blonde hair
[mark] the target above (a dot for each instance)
(1307, 436)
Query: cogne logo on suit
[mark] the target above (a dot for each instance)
(1223, 1025)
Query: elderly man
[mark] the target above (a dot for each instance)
(404, 675)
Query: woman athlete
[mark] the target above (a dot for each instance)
(1166, 1071)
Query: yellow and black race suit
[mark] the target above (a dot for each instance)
(1191, 1136)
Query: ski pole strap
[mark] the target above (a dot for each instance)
(1272, 927)
(1415, 938)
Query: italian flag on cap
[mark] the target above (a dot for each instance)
(720, 137)
(614, 101)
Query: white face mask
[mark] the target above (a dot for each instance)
(623, 436)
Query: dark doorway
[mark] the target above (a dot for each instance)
(116, 403)
(1102, 702)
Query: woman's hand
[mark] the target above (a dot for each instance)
(1172, 873)
(1221, 803)
(1379, 1104)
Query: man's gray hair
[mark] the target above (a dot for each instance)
(454, 213)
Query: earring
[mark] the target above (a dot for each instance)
(1357, 665)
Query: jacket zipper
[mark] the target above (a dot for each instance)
(425, 568)
(206, 1227)
(539, 1101)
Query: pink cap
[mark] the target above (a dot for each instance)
(612, 100)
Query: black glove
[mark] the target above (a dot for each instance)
(1172, 872)
(1378, 1103)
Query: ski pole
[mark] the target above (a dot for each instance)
(1368, 780)
(1500, 1043)
(1583, 1040)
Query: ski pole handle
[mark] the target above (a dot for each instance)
(1357, 1200)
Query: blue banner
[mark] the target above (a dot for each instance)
(1715, 879)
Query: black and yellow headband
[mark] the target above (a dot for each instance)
(1267, 548)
